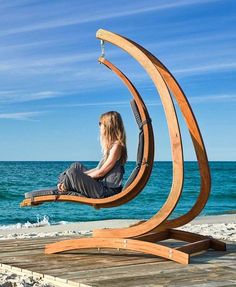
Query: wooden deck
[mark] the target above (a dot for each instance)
(117, 268)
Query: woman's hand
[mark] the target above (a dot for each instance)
(61, 187)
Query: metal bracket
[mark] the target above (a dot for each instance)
(103, 48)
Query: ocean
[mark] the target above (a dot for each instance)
(18, 178)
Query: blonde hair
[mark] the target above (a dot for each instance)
(113, 132)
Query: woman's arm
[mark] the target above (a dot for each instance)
(90, 170)
(114, 155)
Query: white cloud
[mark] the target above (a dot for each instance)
(220, 98)
(39, 65)
(213, 98)
(91, 104)
(104, 14)
(14, 96)
(20, 116)
(188, 71)
(195, 99)
(218, 67)
(7, 47)
(191, 41)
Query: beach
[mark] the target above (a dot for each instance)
(221, 227)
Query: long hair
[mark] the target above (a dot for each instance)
(113, 131)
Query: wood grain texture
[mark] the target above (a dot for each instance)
(129, 244)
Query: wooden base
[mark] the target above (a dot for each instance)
(145, 244)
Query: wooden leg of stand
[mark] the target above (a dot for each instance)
(128, 244)
(217, 245)
(193, 237)
(185, 235)
(195, 246)
(154, 236)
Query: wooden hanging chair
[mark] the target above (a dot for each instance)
(143, 237)
(141, 172)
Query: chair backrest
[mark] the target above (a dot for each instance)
(139, 159)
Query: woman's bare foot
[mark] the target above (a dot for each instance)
(61, 187)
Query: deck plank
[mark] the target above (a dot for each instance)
(116, 268)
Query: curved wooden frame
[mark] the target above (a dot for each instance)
(175, 139)
(145, 170)
(142, 237)
(157, 70)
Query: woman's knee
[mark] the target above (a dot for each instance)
(74, 174)
(72, 171)
(77, 165)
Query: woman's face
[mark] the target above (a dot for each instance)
(102, 128)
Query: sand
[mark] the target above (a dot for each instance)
(220, 227)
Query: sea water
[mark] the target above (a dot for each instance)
(17, 178)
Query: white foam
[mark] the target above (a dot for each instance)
(63, 222)
(44, 221)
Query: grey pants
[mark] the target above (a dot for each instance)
(74, 179)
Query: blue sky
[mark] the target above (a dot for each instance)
(52, 89)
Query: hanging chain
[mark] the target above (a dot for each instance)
(103, 48)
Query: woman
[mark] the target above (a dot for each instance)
(106, 179)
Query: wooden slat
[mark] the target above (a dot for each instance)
(154, 236)
(185, 235)
(193, 237)
(195, 246)
(217, 245)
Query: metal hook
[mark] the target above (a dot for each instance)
(103, 48)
